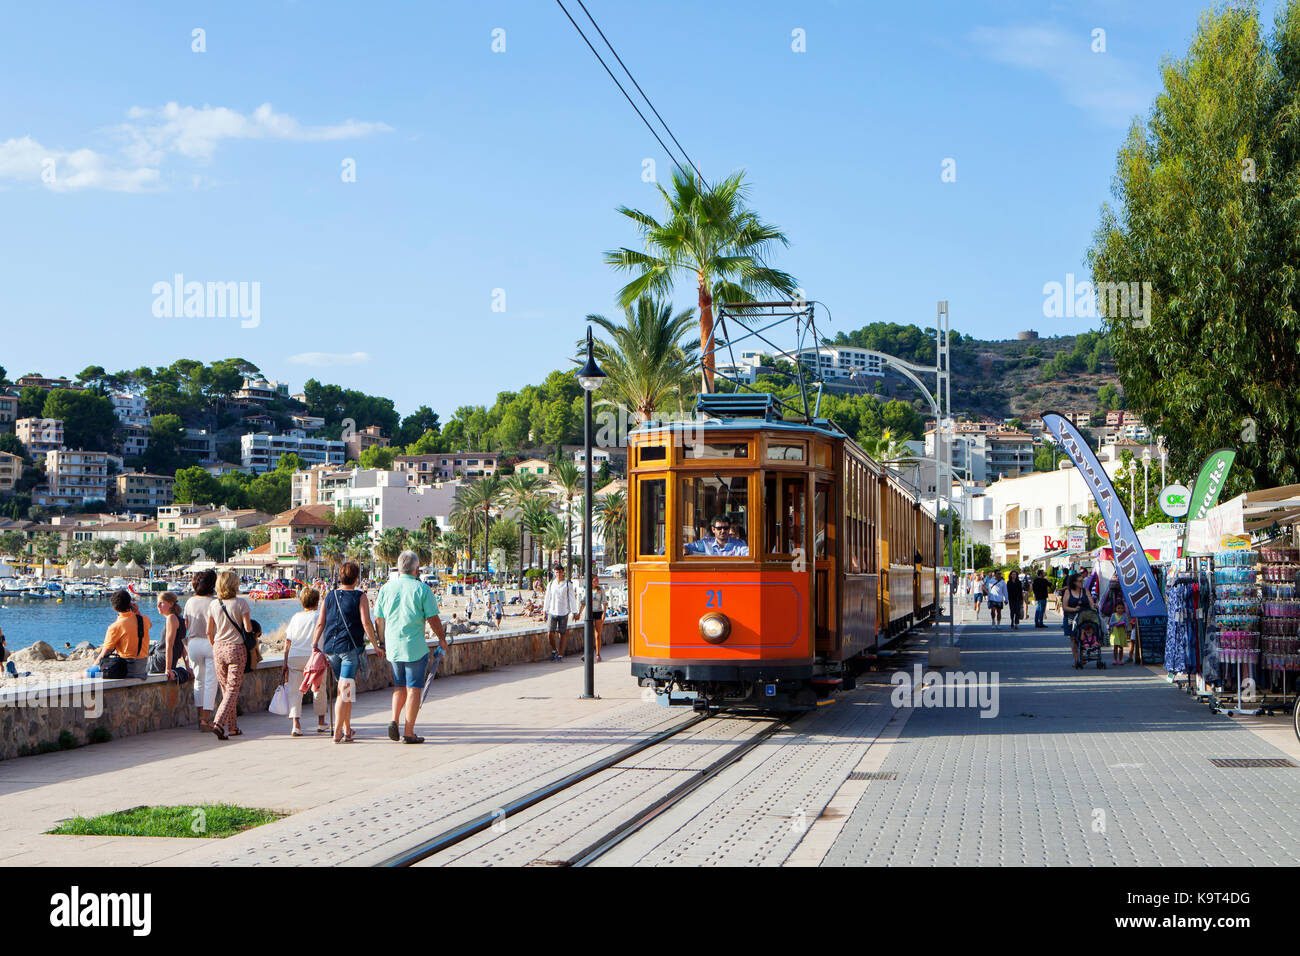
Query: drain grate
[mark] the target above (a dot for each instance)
(874, 775)
(1234, 762)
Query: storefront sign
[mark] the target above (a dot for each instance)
(1175, 500)
(1101, 530)
(1141, 593)
(1078, 539)
(1234, 542)
(1205, 493)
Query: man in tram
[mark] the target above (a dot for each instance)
(722, 543)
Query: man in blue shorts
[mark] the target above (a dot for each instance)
(405, 605)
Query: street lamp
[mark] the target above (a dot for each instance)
(590, 377)
(1146, 477)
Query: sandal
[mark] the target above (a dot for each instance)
(219, 731)
(393, 733)
(322, 729)
(412, 739)
(295, 733)
(236, 733)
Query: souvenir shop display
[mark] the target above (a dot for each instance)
(1280, 623)
(1236, 630)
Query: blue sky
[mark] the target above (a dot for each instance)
(478, 170)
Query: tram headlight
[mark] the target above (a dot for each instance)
(715, 627)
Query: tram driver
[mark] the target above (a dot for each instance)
(722, 543)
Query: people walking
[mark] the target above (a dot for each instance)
(997, 598)
(342, 628)
(1015, 599)
(405, 605)
(595, 594)
(229, 619)
(981, 588)
(1074, 598)
(1041, 589)
(297, 652)
(199, 647)
(556, 607)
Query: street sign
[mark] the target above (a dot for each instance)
(1078, 539)
(1175, 500)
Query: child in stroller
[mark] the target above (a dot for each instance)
(1087, 631)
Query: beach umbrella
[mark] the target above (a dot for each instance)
(87, 570)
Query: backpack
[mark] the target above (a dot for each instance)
(115, 666)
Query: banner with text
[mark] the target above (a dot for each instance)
(1205, 493)
(1141, 593)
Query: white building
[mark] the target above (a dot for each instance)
(73, 479)
(1033, 514)
(839, 361)
(131, 409)
(392, 500)
(261, 452)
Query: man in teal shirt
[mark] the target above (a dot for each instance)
(405, 605)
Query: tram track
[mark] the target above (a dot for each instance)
(553, 796)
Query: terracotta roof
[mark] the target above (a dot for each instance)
(305, 516)
(262, 549)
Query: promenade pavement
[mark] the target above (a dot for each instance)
(1078, 767)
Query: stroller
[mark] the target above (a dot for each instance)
(1087, 632)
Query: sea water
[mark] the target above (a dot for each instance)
(26, 621)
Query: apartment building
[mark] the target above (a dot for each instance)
(290, 527)
(357, 442)
(430, 469)
(199, 443)
(390, 502)
(72, 479)
(185, 521)
(131, 409)
(8, 412)
(145, 492)
(40, 435)
(11, 469)
(261, 452)
(533, 466)
(132, 440)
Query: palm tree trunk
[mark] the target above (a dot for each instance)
(706, 335)
(521, 554)
(568, 546)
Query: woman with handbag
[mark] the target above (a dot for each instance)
(230, 625)
(342, 627)
(297, 652)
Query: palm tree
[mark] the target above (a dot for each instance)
(886, 447)
(474, 500)
(518, 488)
(552, 538)
(535, 516)
(713, 237)
(646, 364)
(455, 542)
(430, 529)
(48, 544)
(307, 552)
(390, 543)
(610, 514)
(334, 549)
(358, 549)
(423, 551)
(567, 480)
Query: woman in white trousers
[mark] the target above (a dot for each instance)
(200, 648)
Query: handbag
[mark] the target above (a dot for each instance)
(251, 645)
(280, 701)
(361, 648)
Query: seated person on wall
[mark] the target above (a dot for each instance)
(721, 544)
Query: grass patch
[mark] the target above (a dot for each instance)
(213, 820)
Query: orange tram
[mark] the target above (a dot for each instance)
(827, 557)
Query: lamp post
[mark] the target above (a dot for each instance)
(590, 377)
(1146, 477)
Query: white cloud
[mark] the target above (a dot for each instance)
(1099, 83)
(151, 134)
(195, 132)
(27, 160)
(326, 359)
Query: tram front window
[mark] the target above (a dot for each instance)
(714, 513)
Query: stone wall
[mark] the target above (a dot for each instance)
(32, 718)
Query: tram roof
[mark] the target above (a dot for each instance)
(820, 426)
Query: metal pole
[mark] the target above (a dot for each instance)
(588, 635)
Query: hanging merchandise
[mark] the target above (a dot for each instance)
(1237, 626)
(1179, 629)
(1280, 627)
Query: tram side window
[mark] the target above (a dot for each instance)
(653, 512)
(784, 507)
(715, 516)
(820, 502)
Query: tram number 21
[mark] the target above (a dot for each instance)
(713, 599)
